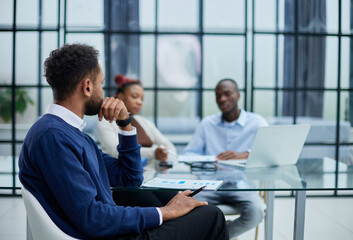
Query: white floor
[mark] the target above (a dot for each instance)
(326, 219)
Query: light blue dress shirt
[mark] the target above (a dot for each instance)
(214, 135)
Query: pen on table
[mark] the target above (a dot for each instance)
(196, 191)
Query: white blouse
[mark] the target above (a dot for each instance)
(108, 137)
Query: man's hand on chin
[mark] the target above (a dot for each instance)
(113, 109)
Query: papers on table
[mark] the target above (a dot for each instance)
(234, 162)
(196, 158)
(182, 184)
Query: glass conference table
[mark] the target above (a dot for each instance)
(306, 175)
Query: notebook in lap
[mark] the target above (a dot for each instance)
(277, 145)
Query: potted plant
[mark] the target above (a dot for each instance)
(22, 100)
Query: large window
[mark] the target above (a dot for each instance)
(291, 59)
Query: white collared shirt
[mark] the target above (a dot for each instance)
(214, 135)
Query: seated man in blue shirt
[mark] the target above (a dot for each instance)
(71, 178)
(230, 135)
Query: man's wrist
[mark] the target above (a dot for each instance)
(127, 128)
(124, 123)
(124, 132)
(160, 216)
(166, 213)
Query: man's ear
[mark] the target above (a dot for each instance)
(238, 95)
(87, 87)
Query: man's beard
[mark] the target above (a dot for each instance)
(93, 106)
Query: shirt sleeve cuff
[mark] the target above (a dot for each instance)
(160, 216)
(127, 133)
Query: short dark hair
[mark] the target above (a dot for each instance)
(228, 79)
(67, 66)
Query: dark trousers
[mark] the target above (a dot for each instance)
(205, 222)
(142, 198)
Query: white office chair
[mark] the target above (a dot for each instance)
(229, 211)
(41, 225)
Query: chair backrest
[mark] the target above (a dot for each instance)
(41, 225)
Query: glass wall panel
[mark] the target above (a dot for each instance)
(147, 60)
(209, 105)
(331, 62)
(346, 161)
(224, 16)
(27, 13)
(265, 15)
(6, 58)
(346, 62)
(26, 100)
(346, 17)
(26, 58)
(314, 63)
(182, 117)
(5, 151)
(318, 16)
(124, 15)
(49, 43)
(46, 98)
(345, 118)
(124, 57)
(317, 105)
(345, 106)
(281, 106)
(85, 14)
(50, 13)
(332, 16)
(223, 57)
(285, 15)
(265, 60)
(6, 13)
(178, 61)
(286, 61)
(5, 181)
(147, 11)
(182, 15)
(264, 103)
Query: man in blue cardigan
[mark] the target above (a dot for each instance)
(71, 177)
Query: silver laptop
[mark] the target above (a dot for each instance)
(277, 145)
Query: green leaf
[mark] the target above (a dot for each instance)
(21, 105)
(22, 100)
(5, 111)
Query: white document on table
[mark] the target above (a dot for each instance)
(182, 184)
(197, 158)
(234, 162)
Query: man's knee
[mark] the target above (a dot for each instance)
(210, 210)
(253, 214)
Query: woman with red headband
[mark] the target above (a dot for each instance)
(154, 144)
